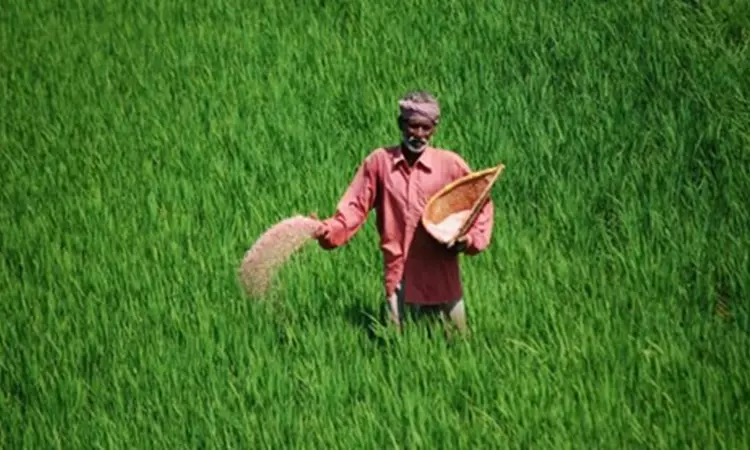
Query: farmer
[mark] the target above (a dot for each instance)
(421, 274)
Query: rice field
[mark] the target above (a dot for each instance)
(145, 146)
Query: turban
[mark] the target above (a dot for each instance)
(429, 110)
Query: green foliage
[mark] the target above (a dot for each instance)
(144, 147)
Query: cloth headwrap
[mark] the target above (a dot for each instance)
(430, 110)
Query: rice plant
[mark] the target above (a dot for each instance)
(144, 147)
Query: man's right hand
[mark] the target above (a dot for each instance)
(321, 230)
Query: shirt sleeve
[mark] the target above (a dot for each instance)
(480, 233)
(353, 208)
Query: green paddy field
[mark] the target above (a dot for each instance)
(144, 146)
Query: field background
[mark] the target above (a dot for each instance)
(145, 145)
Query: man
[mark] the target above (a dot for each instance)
(397, 182)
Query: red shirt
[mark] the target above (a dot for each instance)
(399, 193)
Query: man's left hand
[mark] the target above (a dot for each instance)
(460, 245)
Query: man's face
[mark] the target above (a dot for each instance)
(417, 132)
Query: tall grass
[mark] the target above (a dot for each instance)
(145, 146)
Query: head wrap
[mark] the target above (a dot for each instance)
(411, 108)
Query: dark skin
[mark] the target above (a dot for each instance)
(416, 127)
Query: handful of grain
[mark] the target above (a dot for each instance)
(449, 227)
(271, 250)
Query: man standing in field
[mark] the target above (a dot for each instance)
(397, 182)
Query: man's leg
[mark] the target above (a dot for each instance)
(396, 306)
(455, 313)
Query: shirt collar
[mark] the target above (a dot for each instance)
(426, 160)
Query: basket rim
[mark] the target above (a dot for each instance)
(495, 171)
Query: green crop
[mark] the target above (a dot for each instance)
(144, 148)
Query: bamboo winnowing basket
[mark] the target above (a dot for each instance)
(469, 192)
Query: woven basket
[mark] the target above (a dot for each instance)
(450, 213)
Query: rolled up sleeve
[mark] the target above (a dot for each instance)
(353, 208)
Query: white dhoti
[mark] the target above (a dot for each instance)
(451, 312)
